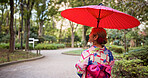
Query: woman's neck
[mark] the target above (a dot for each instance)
(97, 45)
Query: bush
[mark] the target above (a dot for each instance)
(4, 45)
(17, 46)
(138, 54)
(50, 38)
(49, 46)
(119, 57)
(116, 49)
(130, 69)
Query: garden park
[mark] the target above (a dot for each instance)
(27, 25)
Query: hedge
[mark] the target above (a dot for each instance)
(116, 49)
(133, 64)
(130, 69)
(17, 46)
(138, 54)
(49, 46)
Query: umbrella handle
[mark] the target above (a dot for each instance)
(98, 18)
(100, 4)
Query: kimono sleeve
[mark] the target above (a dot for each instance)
(111, 59)
(82, 63)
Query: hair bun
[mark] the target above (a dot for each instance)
(102, 40)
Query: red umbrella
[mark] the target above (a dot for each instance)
(98, 15)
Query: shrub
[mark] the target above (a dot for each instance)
(68, 44)
(119, 57)
(138, 54)
(17, 46)
(4, 45)
(49, 46)
(116, 49)
(50, 38)
(130, 69)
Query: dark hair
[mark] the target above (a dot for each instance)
(101, 35)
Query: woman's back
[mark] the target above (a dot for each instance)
(94, 56)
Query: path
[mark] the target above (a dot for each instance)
(54, 65)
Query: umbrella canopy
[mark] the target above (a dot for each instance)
(100, 16)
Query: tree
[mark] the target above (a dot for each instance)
(3, 6)
(42, 11)
(29, 6)
(53, 13)
(136, 8)
(76, 3)
(72, 25)
(12, 38)
(21, 28)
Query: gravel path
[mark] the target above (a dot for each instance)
(54, 65)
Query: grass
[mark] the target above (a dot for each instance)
(74, 52)
(17, 55)
(78, 52)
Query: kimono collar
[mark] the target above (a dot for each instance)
(96, 48)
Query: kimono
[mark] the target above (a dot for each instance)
(94, 56)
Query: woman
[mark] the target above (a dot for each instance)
(97, 61)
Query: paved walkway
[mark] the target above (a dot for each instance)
(54, 65)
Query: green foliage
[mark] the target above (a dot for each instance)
(16, 55)
(4, 45)
(3, 1)
(138, 54)
(17, 46)
(50, 38)
(47, 38)
(130, 69)
(75, 52)
(116, 49)
(34, 31)
(4, 38)
(68, 44)
(132, 64)
(49, 46)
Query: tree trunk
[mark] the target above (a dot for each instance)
(21, 29)
(7, 22)
(15, 26)
(60, 34)
(84, 31)
(41, 28)
(1, 22)
(11, 46)
(53, 22)
(27, 34)
(72, 35)
(125, 47)
(84, 35)
(29, 8)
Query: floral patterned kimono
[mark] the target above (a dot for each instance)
(94, 56)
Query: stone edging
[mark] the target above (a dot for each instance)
(14, 62)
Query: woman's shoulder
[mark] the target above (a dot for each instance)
(109, 54)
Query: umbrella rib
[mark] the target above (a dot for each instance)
(107, 16)
(129, 23)
(111, 22)
(90, 13)
(119, 22)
